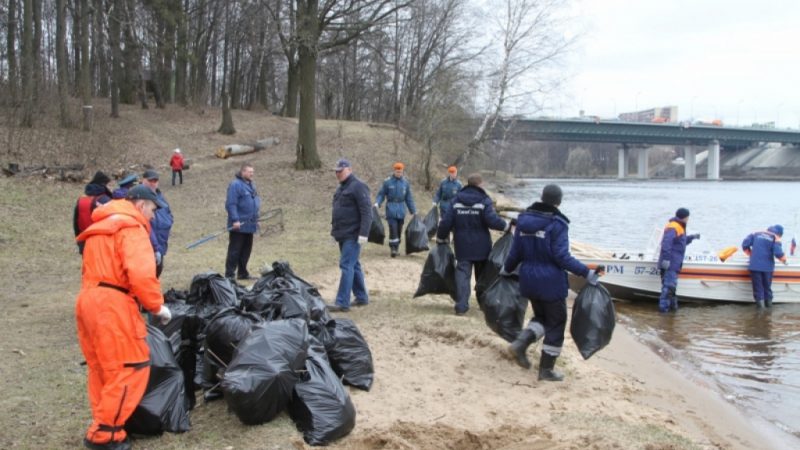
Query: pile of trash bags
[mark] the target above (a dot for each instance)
(265, 350)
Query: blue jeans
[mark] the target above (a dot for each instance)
(352, 279)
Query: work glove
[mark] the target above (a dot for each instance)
(695, 236)
(376, 205)
(362, 240)
(592, 277)
(664, 265)
(158, 258)
(442, 241)
(163, 314)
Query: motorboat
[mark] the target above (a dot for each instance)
(703, 278)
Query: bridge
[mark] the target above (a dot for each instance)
(629, 133)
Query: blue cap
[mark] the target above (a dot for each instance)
(150, 174)
(142, 192)
(127, 181)
(342, 164)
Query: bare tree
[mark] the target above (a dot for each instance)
(11, 50)
(531, 42)
(86, 79)
(27, 64)
(62, 63)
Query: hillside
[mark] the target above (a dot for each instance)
(442, 381)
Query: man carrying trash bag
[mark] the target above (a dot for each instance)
(541, 247)
(470, 219)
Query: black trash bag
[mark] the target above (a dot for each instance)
(377, 235)
(497, 257)
(181, 311)
(262, 303)
(163, 406)
(321, 407)
(593, 319)
(263, 296)
(431, 222)
(223, 334)
(211, 288)
(439, 274)
(416, 236)
(503, 308)
(280, 269)
(349, 354)
(260, 379)
(173, 295)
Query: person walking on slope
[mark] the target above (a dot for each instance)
(242, 204)
(541, 249)
(161, 223)
(95, 193)
(670, 260)
(350, 221)
(470, 218)
(447, 191)
(176, 163)
(119, 276)
(397, 191)
(763, 248)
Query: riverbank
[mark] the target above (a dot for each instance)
(442, 381)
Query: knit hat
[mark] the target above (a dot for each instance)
(551, 195)
(682, 213)
(398, 166)
(100, 178)
(777, 229)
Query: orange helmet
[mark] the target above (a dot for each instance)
(398, 166)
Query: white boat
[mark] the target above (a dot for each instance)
(703, 278)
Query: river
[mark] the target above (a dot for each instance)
(751, 357)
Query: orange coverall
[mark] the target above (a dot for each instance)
(118, 269)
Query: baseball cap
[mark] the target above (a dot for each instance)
(341, 165)
(127, 181)
(142, 192)
(150, 174)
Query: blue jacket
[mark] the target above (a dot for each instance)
(448, 189)
(541, 246)
(397, 192)
(351, 216)
(673, 244)
(243, 205)
(471, 217)
(161, 225)
(763, 247)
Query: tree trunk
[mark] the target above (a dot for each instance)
(62, 64)
(181, 60)
(27, 64)
(129, 88)
(114, 36)
(11, 50)
(76, 48)
(100, 62)
(86, 79)
(292, 89)
(227, 118)
(37, 54)
(307, 158)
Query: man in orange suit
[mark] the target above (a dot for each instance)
(119, 275)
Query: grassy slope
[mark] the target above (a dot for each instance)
(43, 399)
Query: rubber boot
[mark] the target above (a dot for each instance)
(768, 303)
(760, 304)
(394, 252)
(547, 371)
(517, 349)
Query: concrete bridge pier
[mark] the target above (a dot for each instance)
(689, 163)
(623, 166)
(713, 160)
(643, 170)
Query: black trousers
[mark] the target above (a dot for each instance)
(395, 231)
(553, 317)
(239, 247)
(180, 175)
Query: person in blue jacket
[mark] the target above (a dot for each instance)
(242, 204)
(670, 260)
(162, 221)
(763, 248)
(351, 218)
(447, 191)
(124, 185)
(470, 218)
(541, 250)
(397, 191)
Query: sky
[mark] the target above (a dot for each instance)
(735, 60)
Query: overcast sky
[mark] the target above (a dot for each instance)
(735, 60)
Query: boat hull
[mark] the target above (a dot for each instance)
(697, 281)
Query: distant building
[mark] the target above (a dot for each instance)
(664, 114)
